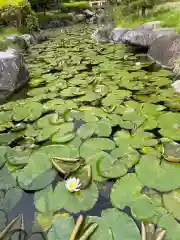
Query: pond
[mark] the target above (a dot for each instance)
(99, 113)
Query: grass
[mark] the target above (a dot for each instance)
(8, 31)
(53, 15)
(75, 6)
(169, 18)
(9, 2)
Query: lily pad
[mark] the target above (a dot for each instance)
(39, 173)
(29, 111)
(111, 167)
(3, 152)
(84, 173)
(64, 134)
(61, 229)
(126, 190)
(171, 151)
(103, 232)
(7, 179)
(150, 165)
(173, 227)
(170, 125)
(12, 197)
(18, 156)
(95, 145)
(171, 202)
(122, 226)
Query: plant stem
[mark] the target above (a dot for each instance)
(143, 231)
(161, 235)
(89, 231)
(77, 227)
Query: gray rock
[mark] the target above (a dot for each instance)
(78, 18)
(165, 50)
(13, 72)
(88, 13)
(117, 34)
(144, 38)
(150, 25)
(29, 39)
(103, 33)
(17, 42)
(40, 36)
(176, 86)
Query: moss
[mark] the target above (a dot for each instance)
(53, 15)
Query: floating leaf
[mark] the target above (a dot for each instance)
(150, 165)
(61, 229)
(7, 179)
(84, 173)
(171, 151)
(12, 197)
(171, 202)
(64, 134)
(171, 225)
(95, 145)
(3, 152)
(122, 226)
(29, 111)
(18, 156)
(126, 190)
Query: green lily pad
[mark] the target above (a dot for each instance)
(29, 111)
(82, 200)
(113, 99)
(127, 155)
(122, 226)
(93, 161)
(18, 156)
(95, 145)
(111, 167)
(11, 198)
(84, 174)
(150, 165)
(61, 229)
(64, 134)
(171, 151)
(171, 225)
(8, 138)
(102, 232)
(49, 201)
(171, 202)
(39, 173)
(3, 152)
(126, 190)
(7, 179)
(170, 125)
(3, 219)
(46, 133)
(138, 139)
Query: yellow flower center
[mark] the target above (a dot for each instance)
(72, 185)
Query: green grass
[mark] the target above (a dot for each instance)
(75, 6)
(53, 15)
(9, 2)
(170, 18)
(8, 31)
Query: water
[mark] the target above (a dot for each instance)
(50, 61)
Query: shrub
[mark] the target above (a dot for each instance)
(19, 15)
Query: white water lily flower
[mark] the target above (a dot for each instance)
(73, 184)
(137, 63)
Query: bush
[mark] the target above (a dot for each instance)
(19, 15)
(75, 6)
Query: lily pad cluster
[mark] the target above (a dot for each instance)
(92, 113)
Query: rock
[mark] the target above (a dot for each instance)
(92, 20)
(78, 18)
(17, 42)
(117, 34)
(88, 13)
(103, 33)
(150, 26)
(165, 50)
(176, 86)
(13, 72)
(144, 38)
(29, 39)
(40, 36)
